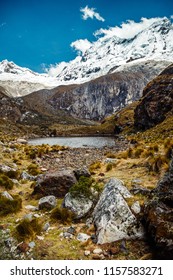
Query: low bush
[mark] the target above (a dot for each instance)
(63, 215)
(33, 169)
(10, 206)
(26, 228)
(109, 166)
(82, 187)
(94, 166)
(6, 182)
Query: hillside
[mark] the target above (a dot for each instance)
(157, 101)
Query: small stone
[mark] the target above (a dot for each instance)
(32, 244)
(47, 202)
(68, 235)
(114, 251)
(16, 182)
(89, 222)
(83, 237)
(21, 141)
(46, 226)
(87, 253)
(7, 195)
(71, 230)
(28, 217)
(23, 247)
(136, 208)
(82, 172)
(40, 237)
(43, 169)
(31, 207)
(97, 257)
(25, 176)
(97, 251)
(8, 242)
(37, 215)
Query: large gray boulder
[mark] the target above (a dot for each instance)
(79, 205)
(112, 216)
(56, 183)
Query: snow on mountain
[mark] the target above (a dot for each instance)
(154, 42)
(19, 81)
(152, 39)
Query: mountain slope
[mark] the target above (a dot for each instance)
(157, 101)
(107, 94)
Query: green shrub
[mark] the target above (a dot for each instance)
(82, 187)
(62, 215)
(28, 228)
(10, 206)
(130, 153)
(156, 163)
(6, 182)
(109, 166)
(110, 155)
(33, 169)
(14, 174)
(95, 165)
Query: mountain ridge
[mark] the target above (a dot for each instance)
(106, 55)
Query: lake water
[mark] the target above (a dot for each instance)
(75, 142)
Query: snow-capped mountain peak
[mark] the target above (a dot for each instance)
(150, 39)
(153, 42)
(10, 67)
(19, 81)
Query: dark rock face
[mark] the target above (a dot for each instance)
(157, 101)
(159, 216)
(92, 100)
(56, 183)
(9, 108)
(103, 96)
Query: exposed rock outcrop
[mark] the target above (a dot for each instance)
(112, 217)
(157, 101)
(57, 183)
(103, 96)
(159, 216)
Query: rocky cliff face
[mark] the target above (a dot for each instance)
(92, 100)
(9, 108)
(105, 95)
(157, 101)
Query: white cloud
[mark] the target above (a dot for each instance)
(171, 17)
(90, 13)
(54, 70)
(81, 45)
(128, 29)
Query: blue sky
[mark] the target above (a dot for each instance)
(37, 32)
